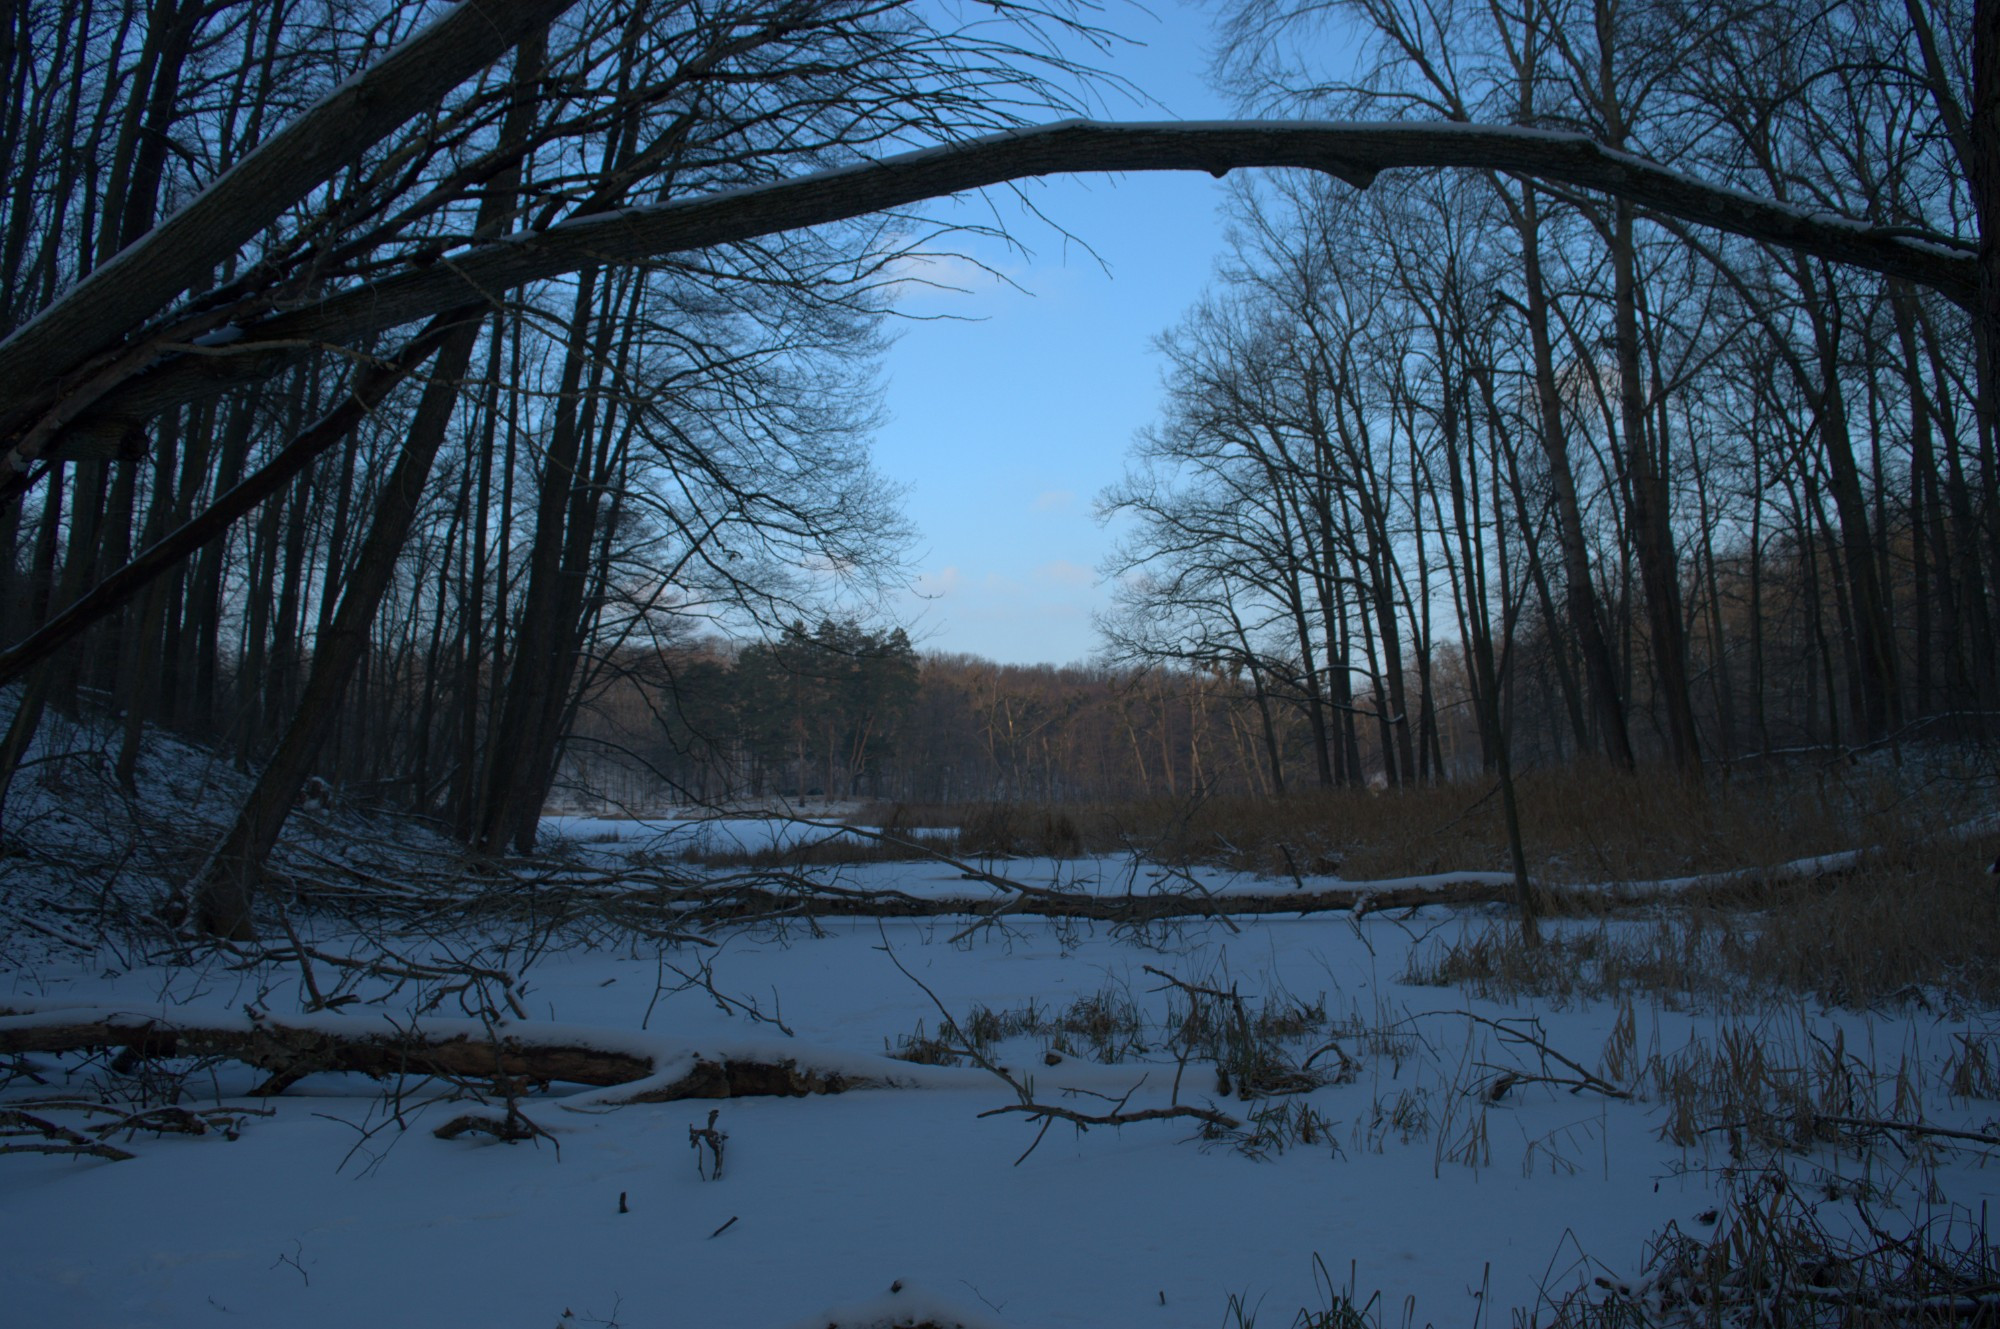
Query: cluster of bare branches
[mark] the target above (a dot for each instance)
(401, 564)
(1484, 457)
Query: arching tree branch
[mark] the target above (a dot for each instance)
(1355, 152)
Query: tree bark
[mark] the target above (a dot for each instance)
(1984, 169)
(1580, 590)
(512, 1057)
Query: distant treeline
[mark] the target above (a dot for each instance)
(840, 711)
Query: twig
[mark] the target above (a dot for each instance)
(1873, 1124)
(1036, 1110)
(714, 1138)
(56, 1137)
(1510, 1033)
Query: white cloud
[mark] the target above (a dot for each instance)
(940, 583)
(1065, 573)
(1055, 500)
(919, 277)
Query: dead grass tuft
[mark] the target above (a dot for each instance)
(1581, 824)
(1918, 922)
(1776, 1256)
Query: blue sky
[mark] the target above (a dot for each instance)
(1009, 418)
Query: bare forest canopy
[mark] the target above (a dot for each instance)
(388, 392)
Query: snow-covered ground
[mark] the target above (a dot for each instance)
(679, 835)
(1419, 1181)
(1466, 1157)
(611, 842)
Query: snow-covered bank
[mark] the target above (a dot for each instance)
(1423, 1181)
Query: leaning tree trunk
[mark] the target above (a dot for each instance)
(225, 891)
(1874, 641)
(149, 378)
(542, 635)
(183, 252)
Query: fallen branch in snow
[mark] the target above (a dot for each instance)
(1046, 1113)
(648, 900)
(1037, 1111)
(630, 1068)
(51, 1137)
(462, 975)
(513, 1126)
(797, 893)
(1812, 868)
(1515, 1030)
(749, 901)
(17, 1122)
(1916, 1128)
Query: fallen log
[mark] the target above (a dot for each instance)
(508, 1058)
(748, 901)
(772, 895)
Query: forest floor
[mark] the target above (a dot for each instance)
(1386, 1117)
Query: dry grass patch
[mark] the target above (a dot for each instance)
(1919, 921)
(1257, 1046)
(1580, 824)
(1773, 1256)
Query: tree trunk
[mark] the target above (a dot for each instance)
(224, 893)
(1586, 621)
(1355, 153)
(1874, 642)
(542, 635)
(1649, 518)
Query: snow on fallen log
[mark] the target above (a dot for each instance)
(800, 897)
(773, 895)
(1810, 868)
(619, 1066)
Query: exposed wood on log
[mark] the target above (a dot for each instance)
(508, 1059)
